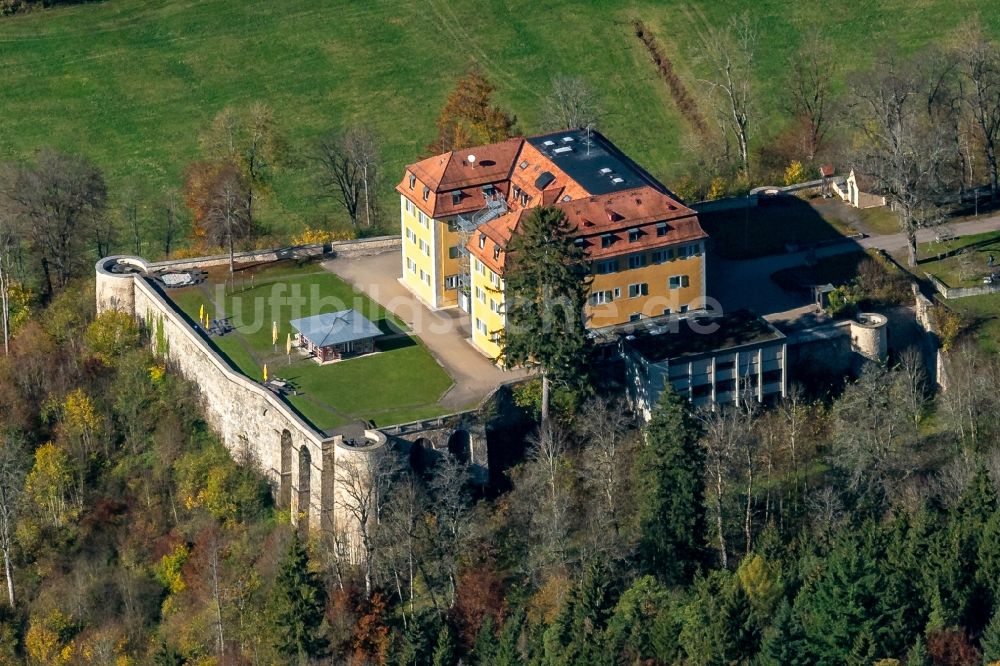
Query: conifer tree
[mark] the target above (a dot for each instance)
(546, 285)
(444, 649)
(298, 607)
(670, 491)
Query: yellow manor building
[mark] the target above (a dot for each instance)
(459, 210)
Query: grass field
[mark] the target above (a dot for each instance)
(962, 262)
(983, 316)
(132, 82)
(402, 382)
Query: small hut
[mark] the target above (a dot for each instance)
(336, 335)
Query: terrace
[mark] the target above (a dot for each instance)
(400, 382)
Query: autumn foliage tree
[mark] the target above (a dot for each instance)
(470, 118)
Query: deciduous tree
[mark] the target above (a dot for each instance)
(470, 118)
(572, 103)
(349, 170)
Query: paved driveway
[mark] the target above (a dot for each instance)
(445, 332)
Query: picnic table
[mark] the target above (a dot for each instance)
(280, 386)
(221, 326)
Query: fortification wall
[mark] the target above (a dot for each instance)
(352, 248)
(250, 420)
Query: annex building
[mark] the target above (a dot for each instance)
(459, 210)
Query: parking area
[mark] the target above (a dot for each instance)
(444, 332)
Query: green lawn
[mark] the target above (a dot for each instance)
(402, 382)
(962, 262)
(132, 82)
(983, 315)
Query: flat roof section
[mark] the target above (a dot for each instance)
(593, 161)
(737, 329)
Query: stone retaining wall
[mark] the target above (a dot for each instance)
(251, 421)
(962, 292)
(350, 248)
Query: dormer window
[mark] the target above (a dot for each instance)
(607, 240)
(661, 229)
(634, 235)
(456, 198)
(496, 253)
(413, 181)
(427, 192)
(525, 198)
(482, 241)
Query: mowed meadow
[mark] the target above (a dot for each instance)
(132, 83)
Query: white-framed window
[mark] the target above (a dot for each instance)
(601, 297)
(607, 240)
(410, 265)
(494, 279)
(605, 267)
(482, 241)
(637, 260)
(481, 326)
(407, 204)
(422, 275)
(657, 256)
(686, 251)
(413, 181)
(635, 316)
(638, 289)
(677, 281)
(427, 279)
(453, 252)
(425, 247)
(662, 229)
(666, 312)
(494, 306)
(411, 235)
(451, 282)
(480, 295)
(634, 235)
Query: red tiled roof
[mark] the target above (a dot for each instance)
(639, 209)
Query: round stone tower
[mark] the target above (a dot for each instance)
(870, 336)
(115, 283)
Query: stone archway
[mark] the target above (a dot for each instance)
(460, 445)
(421, 455)
(285, 473)
(305, 472)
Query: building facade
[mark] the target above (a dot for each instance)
(459, 211)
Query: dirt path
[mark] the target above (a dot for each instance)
(445, 332)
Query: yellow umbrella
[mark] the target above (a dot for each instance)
(201, 314)
(274, 333)
(265, 372)
(288, 345)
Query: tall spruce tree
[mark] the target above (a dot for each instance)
(670, 492)
(298, 607)
(546, 285)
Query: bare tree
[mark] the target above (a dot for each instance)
(13, 468)
(128, 209)
(452, 519)
(970, 402)
(873, 434)
(913, 381)
(363, 484)
(402, 534)
(57, 202)
(903, 149)
(8, 241)
(226, 221)
(728, 53)
(542, 487)
(607, 447)
(170, 205)
(572, 103)
(251, 140)
(810, 89)
(349, 170)
(979, 64)
(725, 430)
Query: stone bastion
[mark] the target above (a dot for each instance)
(315, 477)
